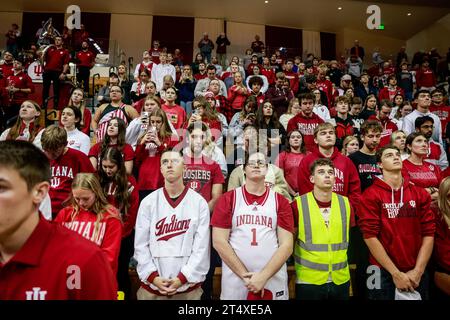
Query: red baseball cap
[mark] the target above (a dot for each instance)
(257, 296)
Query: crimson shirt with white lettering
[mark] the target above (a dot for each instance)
(107, 234)
(201, 174)
(56, 264)
(425, 175)
(63, 170)
(223, 211)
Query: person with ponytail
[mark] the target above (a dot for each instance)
(89, 214)
(121, 191)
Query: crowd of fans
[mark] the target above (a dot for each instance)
(294, 110)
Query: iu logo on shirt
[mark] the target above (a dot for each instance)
(36, 294)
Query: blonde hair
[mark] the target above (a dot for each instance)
(346, 142)
(88, 181)
(443, 202)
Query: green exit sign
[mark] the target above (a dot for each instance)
(381, 27)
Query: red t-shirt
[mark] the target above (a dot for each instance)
(127, 152)
(56, 59)
(223, 211)
(201, 174)
(63, 170)
(108, 234)
(85, 58)
(175, 114)
(290, 163)
(49, 260)
(425, 175)
(20, 81)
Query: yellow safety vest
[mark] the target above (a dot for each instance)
(319, 250)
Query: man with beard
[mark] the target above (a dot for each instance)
(436, 152)
(85, 61)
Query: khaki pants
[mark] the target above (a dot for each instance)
(143, 294)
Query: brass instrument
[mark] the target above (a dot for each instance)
(42, 51)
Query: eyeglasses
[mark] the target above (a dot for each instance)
(427, 127)
(255, 164)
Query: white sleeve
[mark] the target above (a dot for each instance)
(200, 88)
(142, 253)
(437, 133)
(46, 208)
(85, 143)
(407, 125)
(265, 86)
(443, 162)
(197, 266)
(173, 74)
(136, 71)
(219, 157)
(134, 87)
(133, 131)
(37, 140)
(4, 134)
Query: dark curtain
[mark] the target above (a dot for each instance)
(288, 38)
(328, 45)
(175, 33)
(32, 21)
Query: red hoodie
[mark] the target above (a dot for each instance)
(399, 228)
(387, 94)
(306, 126)
(347, 178)
(388, 128)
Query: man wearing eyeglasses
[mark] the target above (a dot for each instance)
(436, 152)
(441, 109)
(172, 238)
(252, 232)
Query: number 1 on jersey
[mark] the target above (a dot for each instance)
(254, 242)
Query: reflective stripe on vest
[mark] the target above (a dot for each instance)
(308, 245)
(320, 266)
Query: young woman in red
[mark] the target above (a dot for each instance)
(90, 215)
(151, 144)
(121, 191)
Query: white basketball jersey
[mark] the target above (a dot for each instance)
(254, 239)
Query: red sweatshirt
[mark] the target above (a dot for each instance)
(441, 252)
(21, 81)
(387, 94)
(425, 78)
(148, 163)
(306, 127)
(388, 128)
(108, 235)
(236, 98)
(399, 228)
(129, 219)
(347, 178)
(293, 80)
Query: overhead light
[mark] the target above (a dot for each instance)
(339, 8)
(266, 1)
(409, 14)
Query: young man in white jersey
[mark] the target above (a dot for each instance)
(172, 237)
(252, 232)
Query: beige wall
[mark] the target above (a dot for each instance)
(130, 33)
(213, 27)
(435, 36)
(369, 40)
(6, 19)
(241, 35)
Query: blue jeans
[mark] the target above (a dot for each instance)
(387, 287)
(187, 106)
